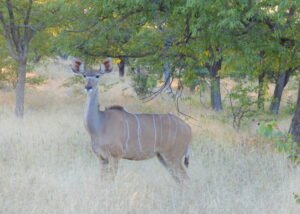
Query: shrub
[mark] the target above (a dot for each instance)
(74, 80)
(8, 75)
(242, 104)
(283, 141)
(143, 83)
(36, 80)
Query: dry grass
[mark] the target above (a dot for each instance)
(47, 166)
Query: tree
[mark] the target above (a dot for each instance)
(260, 36)
(207, 28)
(136, 31)
(20, 22)
(215, 89)
(295, 125)
(267, 34)
(98, 29)
(281, 19)
(288, 49)
(18, 36)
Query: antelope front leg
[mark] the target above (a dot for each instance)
(109, 168)
(113, 167)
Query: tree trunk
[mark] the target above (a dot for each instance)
(261, 91)
(295, 125)
(280, 84)
(20, 89)
(193, 88)
(166, 77)
(215, 88)
(121, 66)
(166, 66)
(216, 101)
(298, 100)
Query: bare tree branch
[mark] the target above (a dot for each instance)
(178, 96)
(153, 95)
(12, 27)
(28, 32)
(31, 27)
(8, 38)
(27, 16)
(88, 28)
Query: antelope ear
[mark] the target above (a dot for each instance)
(106, 65)
(77, 66)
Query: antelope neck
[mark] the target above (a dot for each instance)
(93, 118)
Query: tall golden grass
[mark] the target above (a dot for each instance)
(47, 166)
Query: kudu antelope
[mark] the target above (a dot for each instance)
(117, 134)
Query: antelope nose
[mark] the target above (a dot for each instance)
(88, 87)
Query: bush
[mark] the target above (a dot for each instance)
(8, 75)
(242, 104)
(74, 80)
(143, 83)
(297, 198)
(283, 141)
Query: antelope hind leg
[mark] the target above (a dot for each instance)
(175, 168)
(178, 172)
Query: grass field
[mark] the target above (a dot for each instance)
(47, 165)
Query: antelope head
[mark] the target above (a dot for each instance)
(91, 75)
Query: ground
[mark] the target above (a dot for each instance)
(47, 165)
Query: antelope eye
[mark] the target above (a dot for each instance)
(97, 76)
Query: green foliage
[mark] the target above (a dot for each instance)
(74, 80)
(143, 83)
(269, 130)
(282, 140)
(41, 29)
(8, 74)
(36, 80)
(251, 38)
(290, 107)
(195, 77)
(297, 198)
(242, 33)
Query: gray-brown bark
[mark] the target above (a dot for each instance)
(261, 95)
(281, 82)
(215, 88)
(121, 66)
(215, 94)
(20, 89)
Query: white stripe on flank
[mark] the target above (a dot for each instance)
(128, 134)
(139, 129)
(169, 129)
(154, 131)
(161, 140)
(175, 130)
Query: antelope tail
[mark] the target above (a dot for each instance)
(187, 156)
